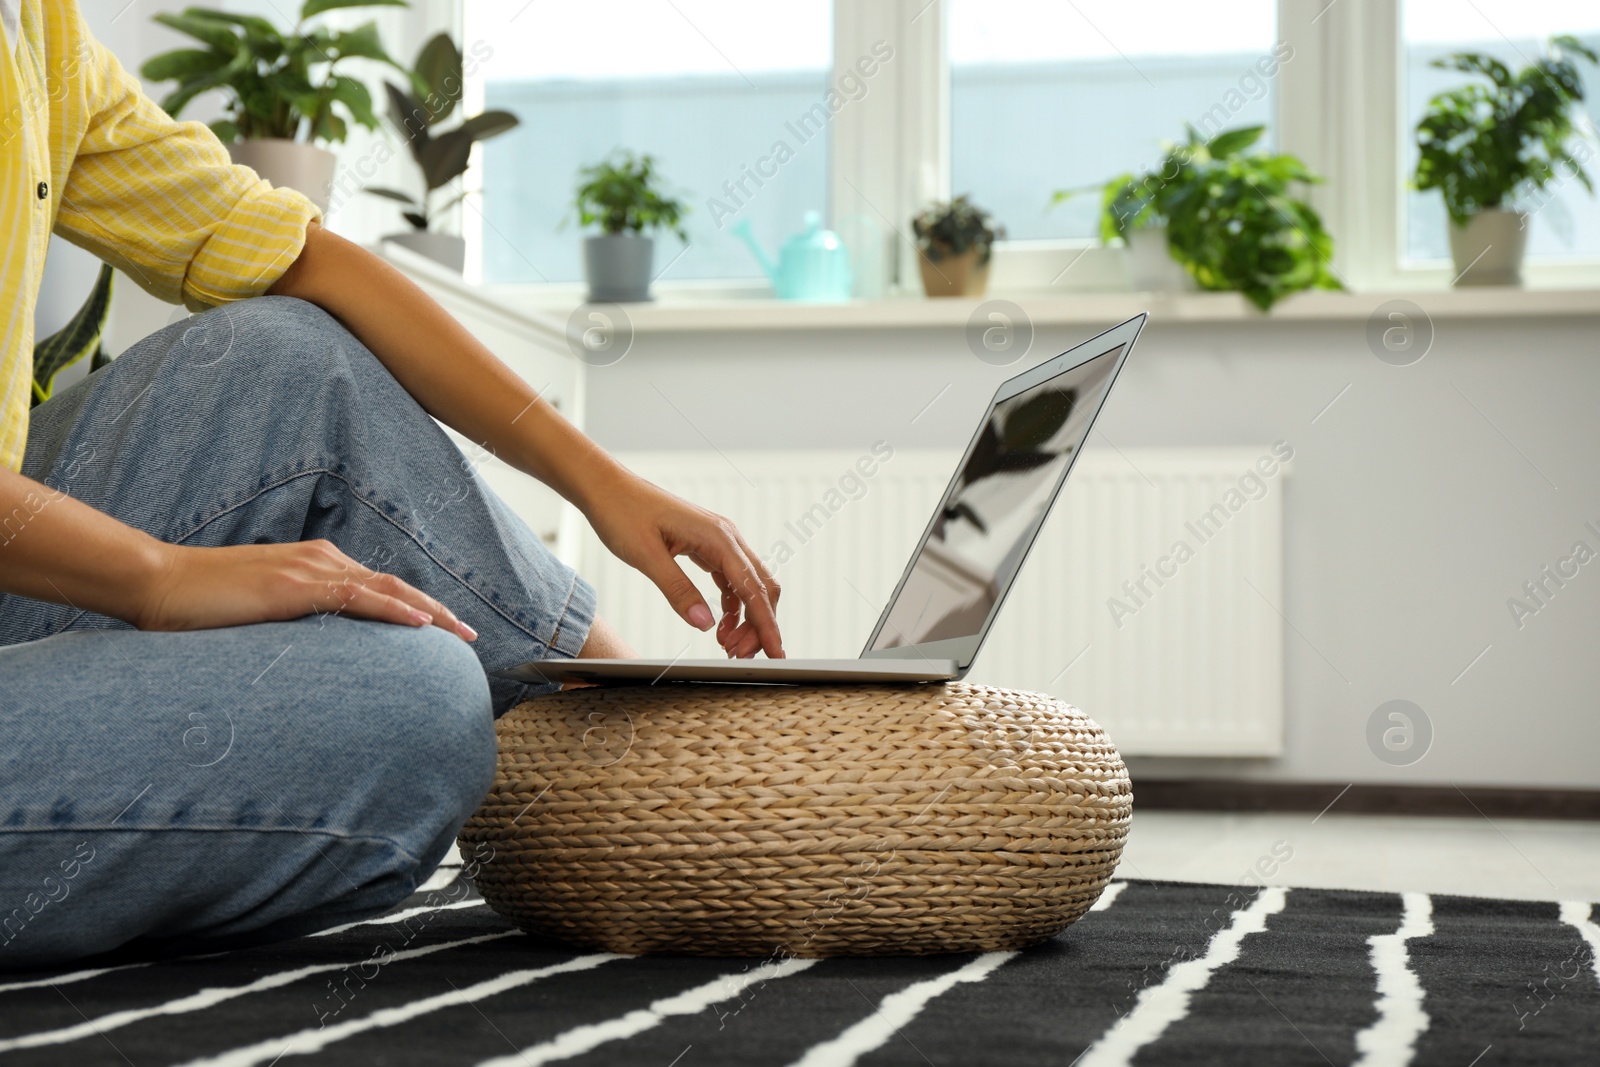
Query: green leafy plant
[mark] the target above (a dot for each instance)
(1232, 217)
(623, 195)
(1133, 201)
(952, 228)
(80, 337)
(278, 84)
(441, 155)
(1482, 145)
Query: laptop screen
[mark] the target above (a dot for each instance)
(992, 510)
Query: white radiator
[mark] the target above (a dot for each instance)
(1185, 659)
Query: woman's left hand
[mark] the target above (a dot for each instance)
(648, 528)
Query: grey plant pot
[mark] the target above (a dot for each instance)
(1490, 248)
(445, 248)
(1151, 264)
(618, 267)
(302, 167)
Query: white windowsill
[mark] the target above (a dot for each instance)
(679, 315)
(695, 310)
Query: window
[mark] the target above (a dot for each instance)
(1565, 221)
(1006, 100)
(1047, 95)
(708, 87)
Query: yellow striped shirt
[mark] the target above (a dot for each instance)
(85, 153)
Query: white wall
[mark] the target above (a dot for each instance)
(1410, 519)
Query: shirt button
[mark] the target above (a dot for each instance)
(44, 190)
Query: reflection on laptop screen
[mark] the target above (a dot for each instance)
(987, 518)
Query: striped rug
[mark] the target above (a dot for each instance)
(1158, 973)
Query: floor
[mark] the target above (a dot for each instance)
(1521, 859)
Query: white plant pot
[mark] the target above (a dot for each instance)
(1490, 248)
(1151, 265)
(304, 168)
(445, 248)
(618, 267)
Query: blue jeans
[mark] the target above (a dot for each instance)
(181, 792)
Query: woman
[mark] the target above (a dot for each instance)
(251, 589)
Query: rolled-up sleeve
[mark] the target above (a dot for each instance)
(161, 201)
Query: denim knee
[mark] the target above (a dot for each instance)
(282, 339)
(439, 756)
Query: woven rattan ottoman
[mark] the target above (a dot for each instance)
(807, 821)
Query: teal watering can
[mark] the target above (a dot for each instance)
(813, 266)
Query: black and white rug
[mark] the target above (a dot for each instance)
(1158, 973)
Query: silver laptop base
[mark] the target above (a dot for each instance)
(758, 671)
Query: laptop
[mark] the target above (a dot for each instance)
(970, 552)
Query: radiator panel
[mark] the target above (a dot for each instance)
(1188, 665)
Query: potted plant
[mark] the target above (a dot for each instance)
(1232, 218)
(1129, 215)
(622, 194)
(286, 93)
(441, 155)
(1484, 146)
(1236, 221)
(956, 242)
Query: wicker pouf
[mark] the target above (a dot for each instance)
(809, 821)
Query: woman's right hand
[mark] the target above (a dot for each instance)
(206, 588)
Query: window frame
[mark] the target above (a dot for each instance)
(1339, 107)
